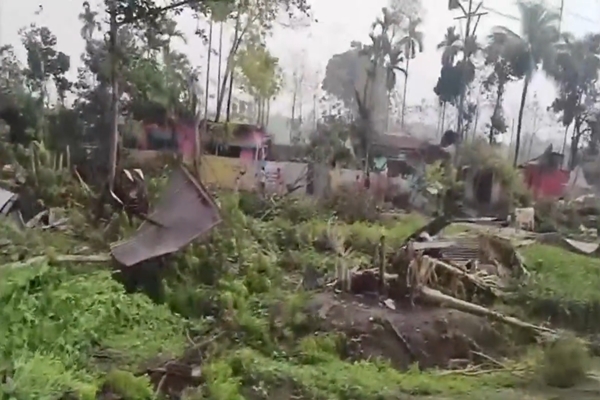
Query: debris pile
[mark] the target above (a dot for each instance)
(434, 296)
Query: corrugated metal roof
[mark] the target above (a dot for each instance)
(6, 200)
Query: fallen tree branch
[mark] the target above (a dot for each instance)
(435, 296)
(474, 279)
(67, 258)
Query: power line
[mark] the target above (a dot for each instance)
(514, 18)
(501, 13)
(472, 16)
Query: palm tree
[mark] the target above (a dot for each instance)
(412, 42)
(535, 46)
(451, 46)
(499, 77)
(575, 70)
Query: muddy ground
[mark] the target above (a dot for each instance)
(429, 336)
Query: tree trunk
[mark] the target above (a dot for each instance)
(496, 110)
(443, 117)
(229, 98)
(439, 120)
(476, 120)
(404, 95)
(520, 120)
(114, 134)
(210, 34)
(198, 127)
(575, 143)
(220, 60)
(293, 120)
(530, 146)
(437, 297)
(268, 112)
(257, 116)
(237, 38)
(564, 146)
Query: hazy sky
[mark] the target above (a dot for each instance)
(339, 23)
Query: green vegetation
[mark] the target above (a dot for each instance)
(59, 326)
(563, 275)
(76, 330)
(566, 363)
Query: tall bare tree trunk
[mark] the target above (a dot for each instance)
(564, 146)
(268, 112)
(198, 128)
(210, 35)
(443, 117)
(315, 116)
(229, 97)
(575, 143)
(405, 86)
(439, 120)
(293, 119)
(220, 60)
(476, 120)
(520, 120)
(114, 134)
(235, 44)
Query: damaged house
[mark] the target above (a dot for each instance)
(404, 158)
(490, 184)
(544, 175)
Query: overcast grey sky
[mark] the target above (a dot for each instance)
(339, 23)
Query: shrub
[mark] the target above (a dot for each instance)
(566, 362)
(352, 204)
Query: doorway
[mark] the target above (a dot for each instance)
(483, 182)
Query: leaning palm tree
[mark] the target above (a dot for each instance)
(534, 47)
(412, 42)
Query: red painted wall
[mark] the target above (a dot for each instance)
(546, 183)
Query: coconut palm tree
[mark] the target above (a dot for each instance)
(412, 42)
(527, 51)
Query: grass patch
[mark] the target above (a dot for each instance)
(328, 377)
(563, 275)
(457, 229)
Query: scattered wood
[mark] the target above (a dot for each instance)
(472, 278)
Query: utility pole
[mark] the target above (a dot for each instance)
(114, 133)
(472, 17)
(560, 13)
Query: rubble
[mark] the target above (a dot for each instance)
(462, 273)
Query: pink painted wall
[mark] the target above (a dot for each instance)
(247, 154)
(186, 141)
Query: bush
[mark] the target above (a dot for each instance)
(289, 207)
(352, 204)
(566, 362)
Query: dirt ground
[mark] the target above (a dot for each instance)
(433, 337)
